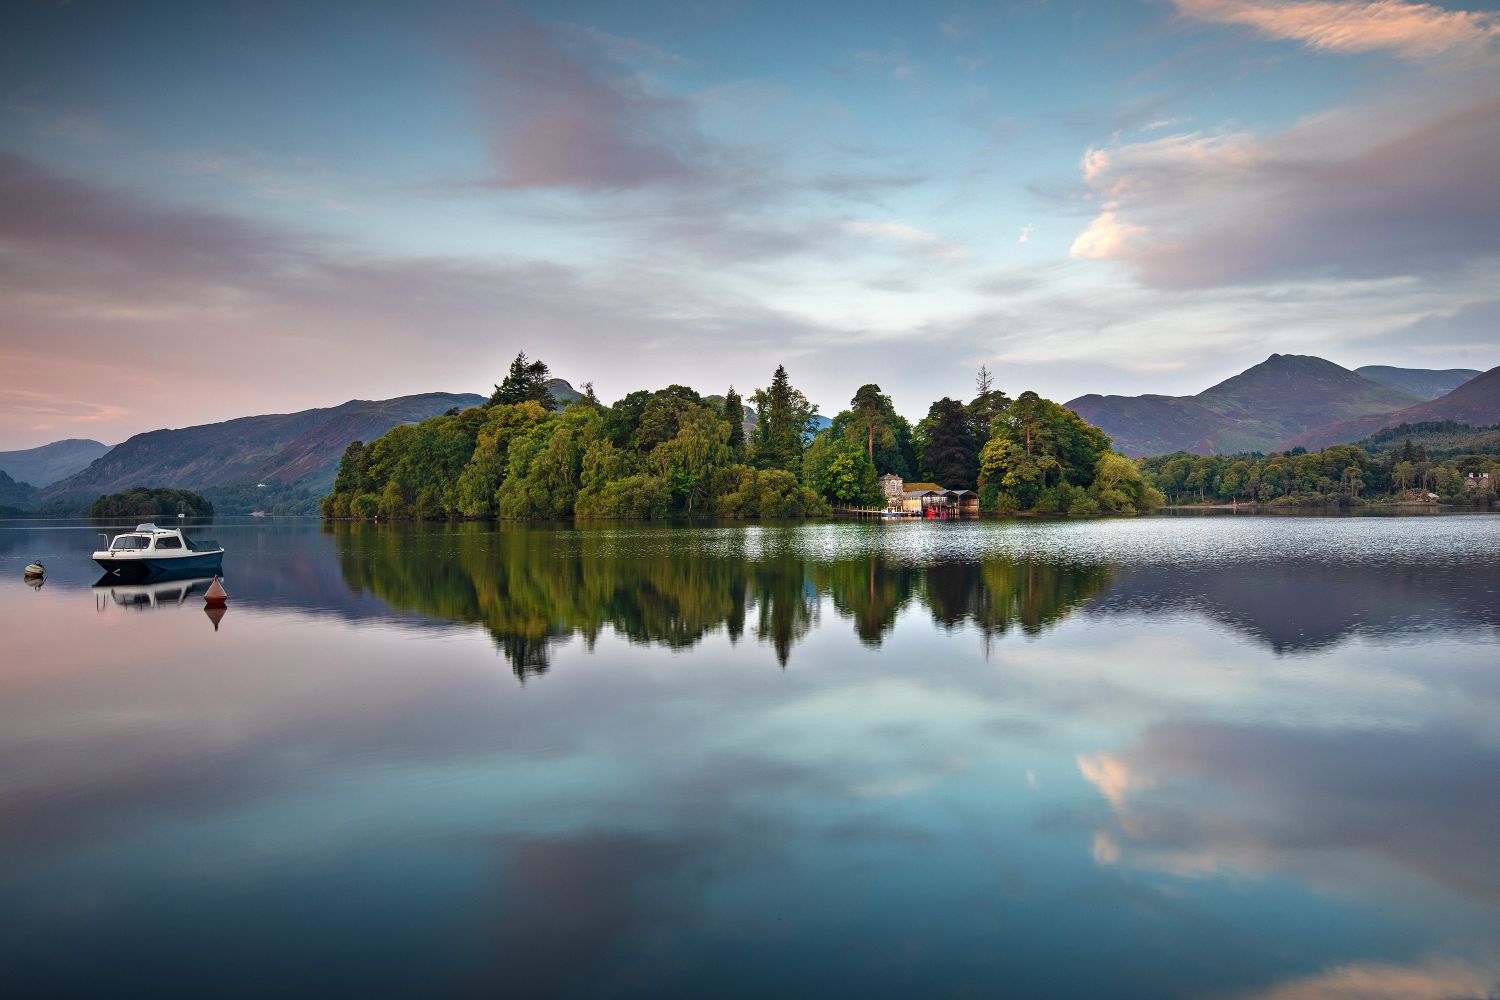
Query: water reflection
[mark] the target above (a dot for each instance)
(533, 589)
(1303, 605)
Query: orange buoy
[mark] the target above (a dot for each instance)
(216, 613)
(215, 595)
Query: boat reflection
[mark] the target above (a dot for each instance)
(143, 596)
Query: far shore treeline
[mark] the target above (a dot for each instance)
(673, 452)
(1342, 474)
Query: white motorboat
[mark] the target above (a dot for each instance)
(150, 551)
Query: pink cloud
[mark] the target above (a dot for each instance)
(1433, 979)
(1384, 192)
(1411, 30)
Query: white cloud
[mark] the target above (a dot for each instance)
(930, 244)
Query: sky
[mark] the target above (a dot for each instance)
(214, 210)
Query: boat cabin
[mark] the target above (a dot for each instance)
(149, 538)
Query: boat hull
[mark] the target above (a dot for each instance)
(195, 563)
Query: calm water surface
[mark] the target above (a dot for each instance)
(1167, 757)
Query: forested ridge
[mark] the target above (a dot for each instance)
(673, 452)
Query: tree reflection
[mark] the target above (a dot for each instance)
(533, 588)
(871, 590)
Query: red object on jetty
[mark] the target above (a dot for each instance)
(215, 595)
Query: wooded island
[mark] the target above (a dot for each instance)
(673, 452)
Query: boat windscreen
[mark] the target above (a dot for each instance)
(130, 542)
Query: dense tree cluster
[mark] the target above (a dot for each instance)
(142, 503)
(1343, 474)
(1043, 457)
(650, 455)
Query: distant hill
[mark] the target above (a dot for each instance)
(46, 465)
(1424, 382)
(562, 391)
(13, 494)
(1476, 402)
(279, 449)
(1255, 410)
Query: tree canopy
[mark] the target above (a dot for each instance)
(783, 423)
(946, 447)
(526, 381)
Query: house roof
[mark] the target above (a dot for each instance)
(919, 487)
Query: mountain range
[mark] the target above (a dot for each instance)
(1286, 401)
(1424, 382)
(1476, 402)
(278, 449)
(14, 495)
(44, 466)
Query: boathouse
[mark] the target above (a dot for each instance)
(930, 498)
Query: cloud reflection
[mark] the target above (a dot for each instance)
(1199, 797)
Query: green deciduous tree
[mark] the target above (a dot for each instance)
(1036, 445)
(840, 472)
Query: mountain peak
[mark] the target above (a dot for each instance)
(1284, 395)
(1475, 402)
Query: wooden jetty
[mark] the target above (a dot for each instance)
(875, 512)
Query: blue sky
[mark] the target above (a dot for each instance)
(214, 210)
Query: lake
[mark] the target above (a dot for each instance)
(1177, 756)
